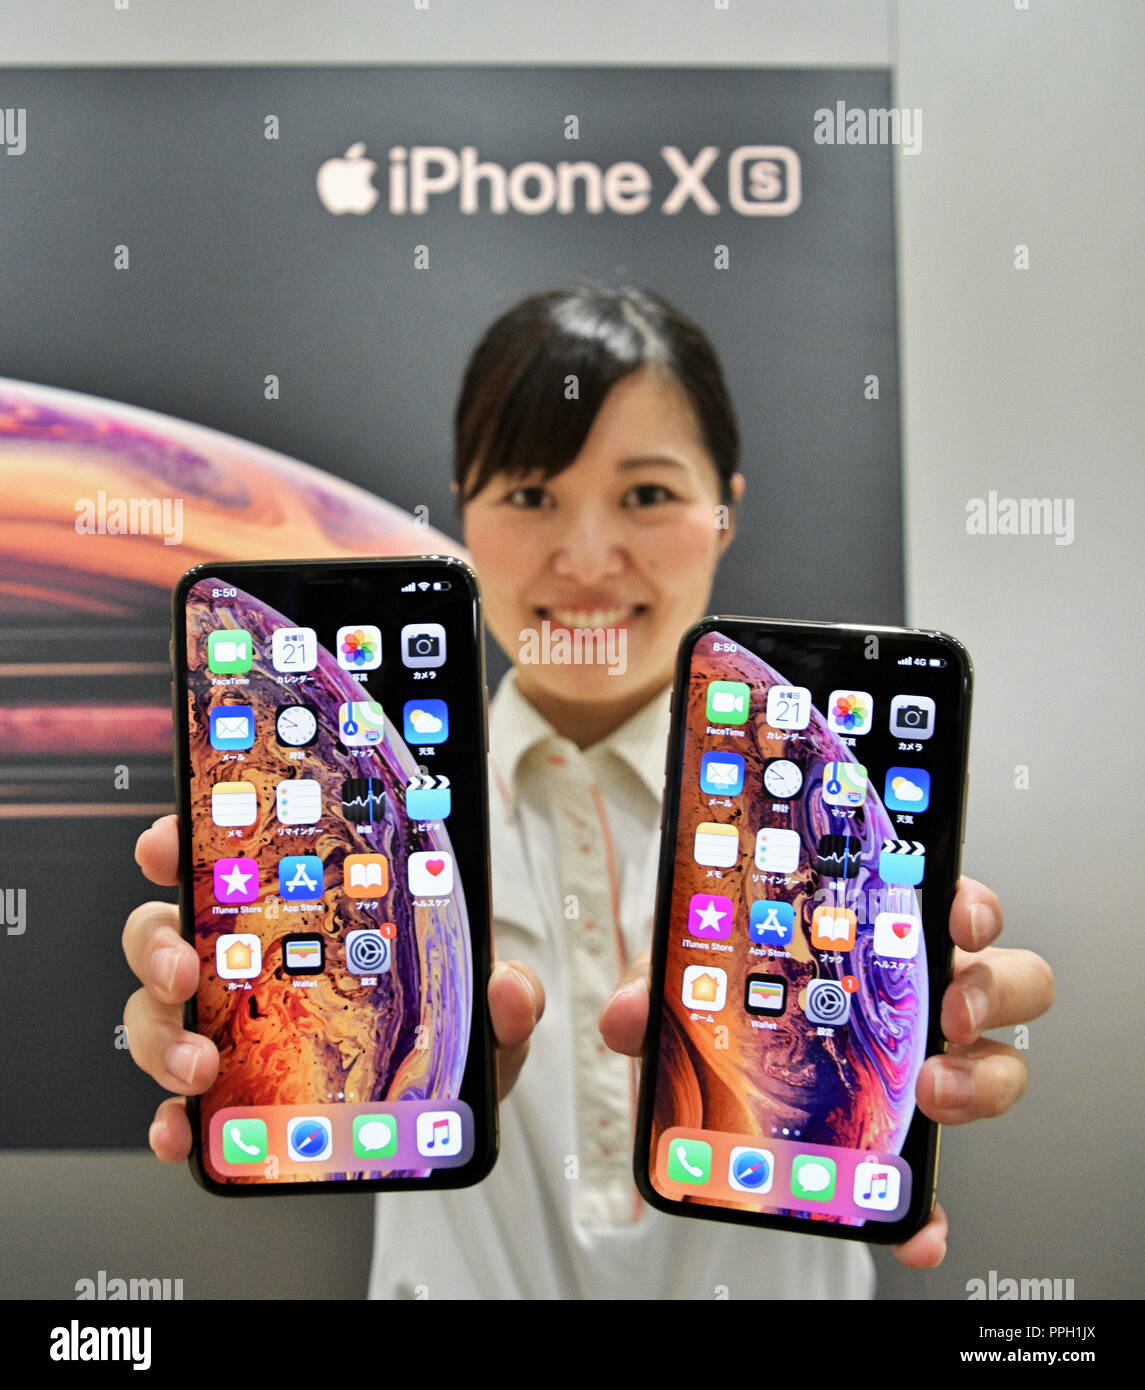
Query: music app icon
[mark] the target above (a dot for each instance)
(439, 1133)
(877, 1185)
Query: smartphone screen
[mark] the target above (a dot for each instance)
(331, 749)
(811, 847)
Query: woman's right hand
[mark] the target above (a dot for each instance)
(168, 969)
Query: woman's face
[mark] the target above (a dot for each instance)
(626, 538)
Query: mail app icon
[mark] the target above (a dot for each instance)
(232, 726)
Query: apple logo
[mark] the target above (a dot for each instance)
(344, 184)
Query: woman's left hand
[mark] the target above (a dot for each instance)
(975, 1078)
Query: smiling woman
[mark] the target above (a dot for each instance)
(595, 464)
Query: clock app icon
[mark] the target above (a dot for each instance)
(782, 778)
(296, 726)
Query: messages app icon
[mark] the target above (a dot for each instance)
(375, 1136)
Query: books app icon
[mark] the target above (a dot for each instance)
(366, 875)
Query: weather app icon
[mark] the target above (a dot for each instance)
(425, 721)
(907, 789)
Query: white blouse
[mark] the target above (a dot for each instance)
(575, 845)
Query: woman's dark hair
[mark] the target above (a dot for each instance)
(513, 415)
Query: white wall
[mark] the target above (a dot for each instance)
(1024, 382)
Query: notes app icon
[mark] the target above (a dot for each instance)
(716, 846)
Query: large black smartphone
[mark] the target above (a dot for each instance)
(330, 721)
(813, 814)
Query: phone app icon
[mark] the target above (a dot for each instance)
(361, 723)
(430, 874)
(438, 1133)
(234, 803)
(238, 957)
(231, 727)
(844, 784)
(296, 726)
(765, 995)
(236, 880)
(298, 801)
(906, 789)
(423, 645)
(705, 988)
(850, 711)
(359, 647)
(368, 952)
(827, 1003)
(839, 856)
(776, 850)
(309, 1138)
(729, 702)
(303, 954)
(716, 845)
(813, 1178)
(751, 1170)
(833, 929)
(877, 1185)
(710, 917)
(363, 800)
(375, 1136)
(429, 802)
(912, 716)
(689, 1160)
(300, 878)
(902, 862)
(897, 935)
(230, 651)
(425, 721)
(782, 778)
(771, 923)
(721, 774)
(366, 875)
(244, 1141)
(294, 649)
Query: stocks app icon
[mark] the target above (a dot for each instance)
(363, 800)
(839, 855)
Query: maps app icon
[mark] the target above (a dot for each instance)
(361, 723)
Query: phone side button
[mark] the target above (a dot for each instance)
(965, 803)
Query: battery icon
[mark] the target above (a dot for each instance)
(937, 661)
(441, 584)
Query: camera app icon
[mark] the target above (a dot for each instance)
(912, 716)
(423, 645)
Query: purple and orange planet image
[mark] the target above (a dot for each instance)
(103, 506)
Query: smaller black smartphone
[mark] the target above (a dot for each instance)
(811, 843)
(330, 720)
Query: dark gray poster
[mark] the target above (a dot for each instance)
(302, 260)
